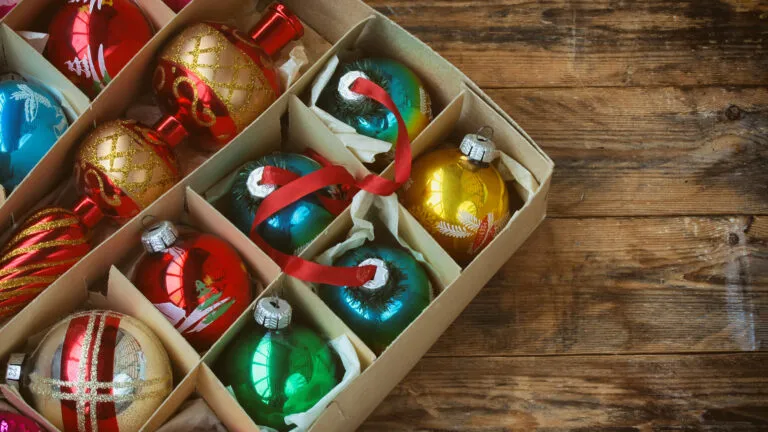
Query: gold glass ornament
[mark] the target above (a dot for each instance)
(95, 371)
(458, 196)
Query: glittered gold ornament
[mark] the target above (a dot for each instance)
(123, 167)
(95, 371)
(459, 196)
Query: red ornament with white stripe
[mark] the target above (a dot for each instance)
(197, 280)
(92, 40)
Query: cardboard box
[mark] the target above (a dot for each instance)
(460, 107)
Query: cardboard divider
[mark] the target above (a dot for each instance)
(181, 393)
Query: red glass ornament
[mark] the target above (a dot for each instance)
(198, 281)
(213, 80)
(10, 422)
(91, 40)
(50, 242)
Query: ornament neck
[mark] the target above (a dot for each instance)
(278, 27)
(171, 130)
(88, 212)
(13, 372)
(273, 313)
(256, 188)
(381, 277)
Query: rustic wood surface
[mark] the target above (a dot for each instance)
(641, 304)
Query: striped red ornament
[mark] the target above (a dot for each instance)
(48, 244)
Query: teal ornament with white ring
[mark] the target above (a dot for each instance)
(292, 228)
(31, 120)
(382, 308)
(369, 117)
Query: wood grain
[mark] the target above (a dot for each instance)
(585, 393)
(649, 151)
(576, 43)
(624, 285)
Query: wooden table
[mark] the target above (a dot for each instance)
(641, 303)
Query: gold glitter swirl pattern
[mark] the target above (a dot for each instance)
(159, 71)
(45, 226)
(129, 162)
(233, 76)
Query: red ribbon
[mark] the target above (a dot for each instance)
(293, 188)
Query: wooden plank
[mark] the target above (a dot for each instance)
(624, 285)
(595, 393)
(500, 43)
(650, 151)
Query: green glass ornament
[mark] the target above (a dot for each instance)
(276, 368)
(381, 309)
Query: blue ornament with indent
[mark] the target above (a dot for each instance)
(292, 228)
(31, 120)
(382, 308)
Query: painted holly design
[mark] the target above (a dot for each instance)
(484, 230)
(32, 101)
(86, 66)
(211, 306)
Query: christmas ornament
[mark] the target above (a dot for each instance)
(369, 117)
(92, 40)
(31, 120)
(95, 371)
(10, 422)
(48, 244)
(213, 80)
(459, 197)
(295, 226)
(382, 308)
(276, 368)
(198, 281)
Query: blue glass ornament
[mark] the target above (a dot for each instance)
(292, 228)
(381, 309)
(31, 120)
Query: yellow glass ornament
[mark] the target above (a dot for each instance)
(459, 197)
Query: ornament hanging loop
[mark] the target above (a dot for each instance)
(485, 133)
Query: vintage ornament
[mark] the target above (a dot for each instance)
(369, 117)
(92, 40)
(382, 308)
(95, 371)
(11, 422)
(48, 244)
(176, 5)
(276, 368)
(213, 80)
(459, 196)
(31, 120)
(292, 228)
(5, 7)
(198, 281)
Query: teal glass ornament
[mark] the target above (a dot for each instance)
(381, 309)
(31, 120)
(367, 116)
(276, 368)
(295, 226)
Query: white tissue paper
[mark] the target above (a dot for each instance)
(365, 148)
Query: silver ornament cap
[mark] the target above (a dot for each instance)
(257, 189)
(381, 277)
(13, 370)
(479, 147)
(159, 237)
(273, 313)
